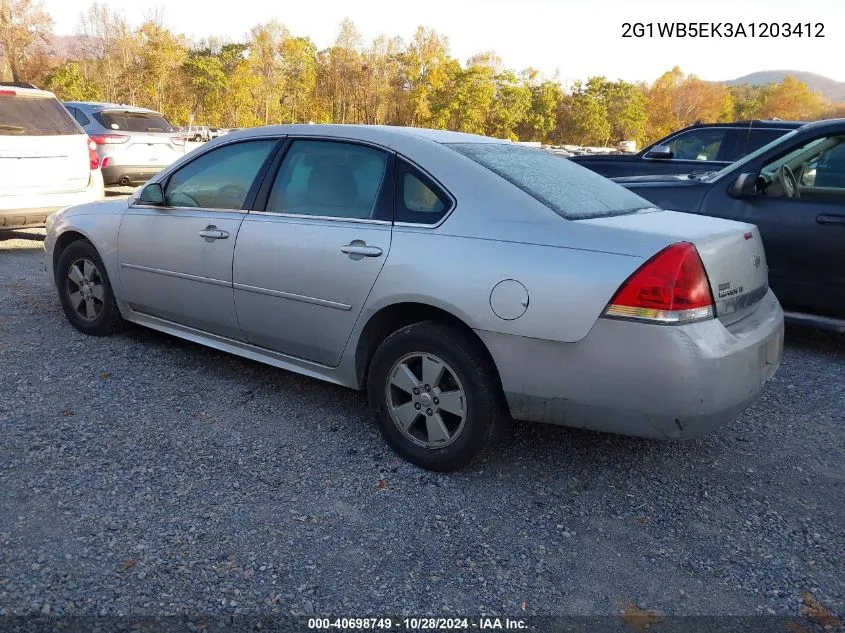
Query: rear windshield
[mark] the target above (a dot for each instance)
(35, 116)
(571, 191)
(133, 121)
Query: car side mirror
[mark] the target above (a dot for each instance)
(152, 194)
(661, 151)
(744, 186)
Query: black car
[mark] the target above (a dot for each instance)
(699, 147)
(793, 189)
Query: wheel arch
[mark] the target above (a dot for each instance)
(393, 317)
(63, 241)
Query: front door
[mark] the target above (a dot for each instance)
(801, 219)
(307, 260)
(176, 259)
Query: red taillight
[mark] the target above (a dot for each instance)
(93, 158)
(109, 139)
(104, 163)
(7, 93)
(671, 287)
(178, 140)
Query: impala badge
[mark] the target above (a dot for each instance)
(756, 260)
(725, 290)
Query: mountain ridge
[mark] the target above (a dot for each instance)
(829, 88)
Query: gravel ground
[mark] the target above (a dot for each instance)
(144, 475)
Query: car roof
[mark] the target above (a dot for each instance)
(33, 92)
(753, 123)
(382, 134)
(825, 125)
(95, 106)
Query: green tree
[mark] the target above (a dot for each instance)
(470, 96)
(511, 106)
(299, 79)
(584, 117)
(206, 82)
(265, 60)
(68, 82)
(546, 98)
(627, 110)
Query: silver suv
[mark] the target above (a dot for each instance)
(133, 143)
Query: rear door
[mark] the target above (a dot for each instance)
(176, 259)
(42, 149)
(307, 258)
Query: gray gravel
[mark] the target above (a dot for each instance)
(141, 474)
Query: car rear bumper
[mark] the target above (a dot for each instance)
(129, 174)
(31, 210)
(655, 381)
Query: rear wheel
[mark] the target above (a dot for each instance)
(85, 291)
(435, 396)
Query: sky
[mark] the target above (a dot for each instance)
(575, 38)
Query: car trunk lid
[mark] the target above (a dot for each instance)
(732, 254)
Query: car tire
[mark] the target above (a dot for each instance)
(85, 291)
(446, 433)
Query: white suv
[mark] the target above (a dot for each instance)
(47, 162)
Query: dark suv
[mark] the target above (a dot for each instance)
(699, 147)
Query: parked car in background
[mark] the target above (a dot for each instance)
(793, 189)
(47, 162)
(198, 133)
(577, 302)
(699, 147)
(133, 143)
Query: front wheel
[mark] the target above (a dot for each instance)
(436, 396)
(85, 291)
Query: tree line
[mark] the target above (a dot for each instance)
(274, 76)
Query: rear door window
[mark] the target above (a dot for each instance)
(34, 116)
(733, 145)
(129, 121)
(80, 117)
(758, 138)
(329, 179)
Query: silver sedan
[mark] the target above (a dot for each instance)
(463, 281)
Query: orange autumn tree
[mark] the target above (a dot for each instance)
(677, 100)
(792, 99)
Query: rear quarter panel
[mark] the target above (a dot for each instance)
(568, 288)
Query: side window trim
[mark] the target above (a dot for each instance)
(253, 189)
(403, 165)
(384, 199)
(81, 117)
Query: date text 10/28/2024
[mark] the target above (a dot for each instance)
(416, 624)
(723, 29)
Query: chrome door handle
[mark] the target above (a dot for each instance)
(361, 249)
(213, 233)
